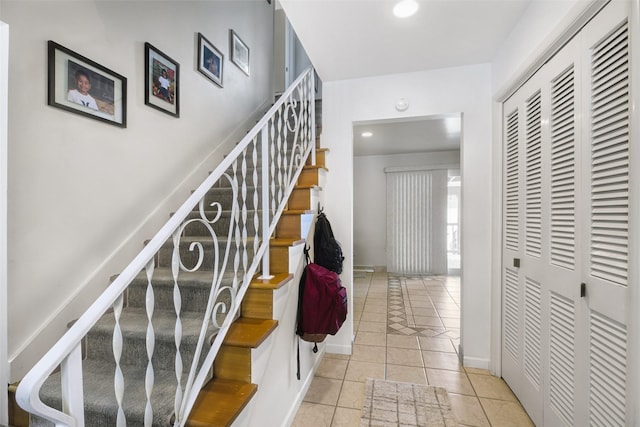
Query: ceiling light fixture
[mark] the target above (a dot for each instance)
(405, 8)
(367, 134)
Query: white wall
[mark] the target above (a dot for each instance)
(82, 193)
(370, 200)
(541, 24)
(464, 90)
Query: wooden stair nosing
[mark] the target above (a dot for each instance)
(276, 282)
(249, 332)
(220, 402)
(297, 211)
(285, 242)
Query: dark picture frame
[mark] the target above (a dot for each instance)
(239, 52)
(161, 81)
(210, 60)
(82, 86)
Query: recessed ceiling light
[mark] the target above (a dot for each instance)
(367, 134)
(405, 8)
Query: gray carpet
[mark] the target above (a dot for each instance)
(388, 403)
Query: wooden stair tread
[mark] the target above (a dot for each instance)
(249, 332)
(305, 186)
(276, 282)
(297, 211)
(286, 242)
(314, 167)
(220, 402)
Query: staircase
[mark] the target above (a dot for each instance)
(148, 342)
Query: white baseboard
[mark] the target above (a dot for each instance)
(476, 362)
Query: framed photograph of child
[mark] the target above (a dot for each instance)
(210, 60)
(239, 52)
(82, 86)
(161, 81)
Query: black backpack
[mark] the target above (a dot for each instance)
(326, 249)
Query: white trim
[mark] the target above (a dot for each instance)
(633, 325)
(4, 94)
(476, 362)
(495, 365)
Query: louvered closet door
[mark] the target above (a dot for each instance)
(607, 105)
(566, 219)
(523, 245)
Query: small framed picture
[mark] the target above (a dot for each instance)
(210, 60)
(161, 81)
(82, 86)
(239, 52)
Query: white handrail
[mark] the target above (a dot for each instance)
(66, 350)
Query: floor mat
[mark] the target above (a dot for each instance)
(388, 403)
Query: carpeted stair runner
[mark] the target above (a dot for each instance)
(99, 366)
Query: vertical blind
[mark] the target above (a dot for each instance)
(417, 221)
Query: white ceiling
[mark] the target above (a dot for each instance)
(348, 39)
(436, 133)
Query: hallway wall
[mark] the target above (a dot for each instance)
(443, 91)
(370, 200)
(82, 193)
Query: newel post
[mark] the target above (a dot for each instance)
(72, 389)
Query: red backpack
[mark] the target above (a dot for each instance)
(322, 304)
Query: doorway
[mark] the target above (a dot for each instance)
(383, 146)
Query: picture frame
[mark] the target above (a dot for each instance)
(161, 81)
(82, 86)
(239, 52)
(210, 60)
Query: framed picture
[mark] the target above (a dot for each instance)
(82, 86)
(210, 60)
(239, 52)
(161, 81)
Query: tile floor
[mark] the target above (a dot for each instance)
(407, 330)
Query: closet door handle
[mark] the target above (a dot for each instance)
(516, 262)
(583, 290)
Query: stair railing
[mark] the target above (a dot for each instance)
(278, 147)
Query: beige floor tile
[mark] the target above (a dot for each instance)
(441, 360)
(400, 341)
(436, 344)
(373, 317)
(369, 353)
(313, 415)
(428, 321)
(351, 395)
(491, 387)
(332, 368)
(454, 381)
(406, 374)
(366, 326)
(502, 413)
(371, 338)
(454, 314)
(404, 357)
(360, 371)
(336, 356)
(375, 308)
(477, 371)
(324, 390)
(468, 410)
(451, 323)
(346, 417)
